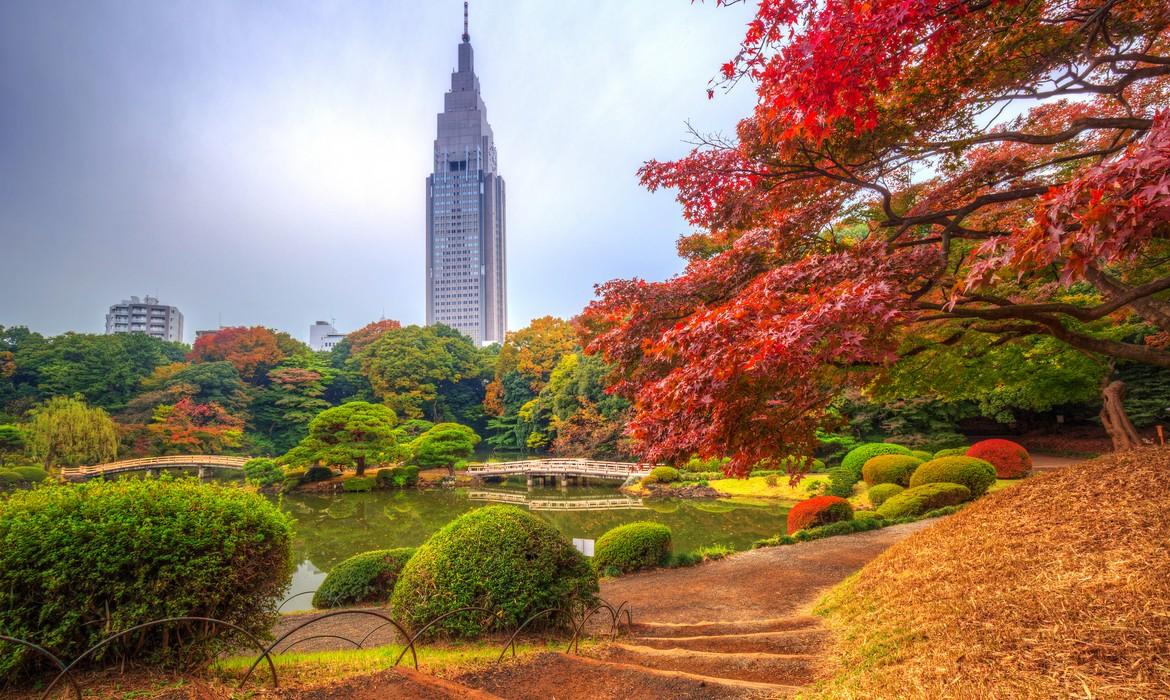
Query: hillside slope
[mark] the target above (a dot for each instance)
(1059, 587)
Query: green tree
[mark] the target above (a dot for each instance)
(416, 370)
(357, 434)
(12, 442)
(281, 411)
(445, 445)
(64, 432)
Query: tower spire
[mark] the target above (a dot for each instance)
(466, 36)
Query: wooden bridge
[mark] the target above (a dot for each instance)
(586, 503)
(560, 468)
(203, 463)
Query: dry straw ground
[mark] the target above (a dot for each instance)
(1058, 588)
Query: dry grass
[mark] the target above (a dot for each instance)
(1059, 588)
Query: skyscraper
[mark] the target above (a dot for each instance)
(466, 267)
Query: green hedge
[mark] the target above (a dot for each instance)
(951, 452)
(861, 454)
(890, 469)
(403, 476)
(499, 557)
(30, 475)
(80, 560)
(975, 474)
(920, 499)
(632, 546)
(863, 521)
(368, 577)
(922, 455)
(841, 481)
(882, 492)
(8, 477)
(358, 484)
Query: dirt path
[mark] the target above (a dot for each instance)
(735, 628)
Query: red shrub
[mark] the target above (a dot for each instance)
(818, 510)
(1011, 460)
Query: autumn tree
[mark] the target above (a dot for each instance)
(355, 435)
(976, 168)
(365, 336)
(189, 427)
(64, 432)
(252, 351)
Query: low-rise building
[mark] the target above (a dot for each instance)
(145, 315)
(323, 336)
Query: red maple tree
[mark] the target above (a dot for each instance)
(949, 167)
(252, 351)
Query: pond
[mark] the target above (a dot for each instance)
(333, 527)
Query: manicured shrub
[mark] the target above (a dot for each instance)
(951, 452)
(861, 454)
(882, 492)
(498, 557)
(922, 454)
(8, 477)
(921, 499)
(358, 484)
(975, 474)
(633, 546)
(890, 469)
(841, 481)
(80, 560)
(317, 474)
(263, 471)
(403, 476)
(663, 475)
(1010, 459)
(368, 577)
(818, 510)
(30, 475)
(869, 514)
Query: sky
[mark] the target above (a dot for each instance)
(264, 163)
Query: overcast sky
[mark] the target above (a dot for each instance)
(265, 162)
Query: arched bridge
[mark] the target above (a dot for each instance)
(147, 464)
(561, 468)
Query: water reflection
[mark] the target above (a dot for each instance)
(332, 527)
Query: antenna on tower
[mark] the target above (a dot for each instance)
(466, 36)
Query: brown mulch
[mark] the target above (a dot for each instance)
(1059, 587)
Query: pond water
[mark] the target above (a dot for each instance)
(333, 527)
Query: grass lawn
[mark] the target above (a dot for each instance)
(309, 667)
(758, 487)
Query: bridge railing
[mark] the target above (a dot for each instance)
(559, 466)
(160, 462)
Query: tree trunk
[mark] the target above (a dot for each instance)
(1114, 418)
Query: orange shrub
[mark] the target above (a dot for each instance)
(1011, 460)
(819, 510)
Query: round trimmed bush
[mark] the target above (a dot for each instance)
(975, 474)
(79, 560)
(8, 477)
(818, 510)
(890, 469)
(358, 484)
(858, 456)
(922, 454)
(498, 557)
(368, 577)
(633, 546)
(868, 514)
(922, 499)
(263, 471)
(1010, 459)
(317, 474)
(950, 452)
(882, 492)
(663, 475)
(30, 475)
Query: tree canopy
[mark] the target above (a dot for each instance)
(968, 169)
(357, 434)
(64, 432)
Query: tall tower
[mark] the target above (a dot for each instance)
(466, 267)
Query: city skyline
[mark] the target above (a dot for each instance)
(259, 166)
